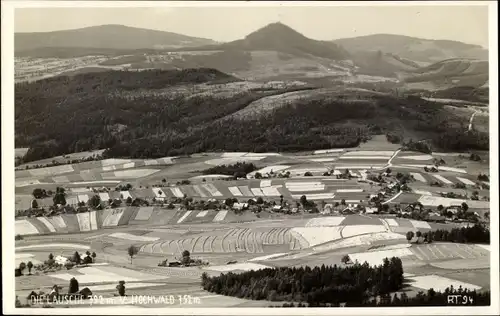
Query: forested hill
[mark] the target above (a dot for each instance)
(134, 115)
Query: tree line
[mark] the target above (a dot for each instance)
(116, 110)
(354, 283)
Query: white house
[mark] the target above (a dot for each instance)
(61, 260)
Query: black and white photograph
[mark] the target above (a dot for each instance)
(233, 157)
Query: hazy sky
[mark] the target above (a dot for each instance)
(462, 23)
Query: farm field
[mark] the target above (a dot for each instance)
(254, 242)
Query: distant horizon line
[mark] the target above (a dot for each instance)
(278, 22)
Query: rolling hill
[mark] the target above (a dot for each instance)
(115, 37)
(282, 38)
(417, 49)
(154, 113)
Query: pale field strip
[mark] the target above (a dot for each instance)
(24, 255)
(478, 204)
(128, 165)
(60, 179)
(420, 224)
(447, 154)
(212, 176)
(306, 188)
(49, 171)
(316, 196)
(225, 161)
(344, 157)
(323, 159)
(245, 191)
(487, 247)
(442, 179)
(417, 157)
(114, 161)
(167, 160)
(301, 171)
(233, 154)
(369, 153)
(55, 246)
(271, 256)
(113, 218)
(83, 198)
(328, 151)
(391, 222)
(349, 190)
(262, 154)
(465, 181)
(97, 182)
(93, 220)
(72, 200)
(58, 221)
(104, 196)
(177, 192)
(180, 220)
(268, 169)
(458, 170)
(212, 189)
(109, 168)
(202, 214)
(354, 230)
(366, 167)
(138, 173)
(257, 192)
(23, 227)
(265, 183)
(360, 240)
(318, 235)
(440, 283)
(83, 221)
(128, 236)
(247, 266)
(24, 183)
(111, 287)
(270, 191)
(199, 191)
(150, 162)
(377, 257)
(220, 216)
(391, 247)
(144, 213)
(47, 223)
(99, 275)
(418, 176)
(325, 221)
(417, 166)
(436, 201)
(235, 191)
(158, 193)
(422, 192)
(87, 175)
(125, 194)
(80, 190)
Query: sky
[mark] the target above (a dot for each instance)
(467, 24)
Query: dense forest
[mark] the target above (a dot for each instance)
(238, 170)
(112, 110)
(478, 233)
(353, 284)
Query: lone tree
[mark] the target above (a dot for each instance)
(465, 207)
(51, 256)
(186, 257)
(345, 259)
(303, 200)
(94, 255)
(77, 258)
(95, 201)
(30, 266)
(409, 235)
(22, 266)
(73, 286)
(121, 288)
(34, 204)
(132, 251)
